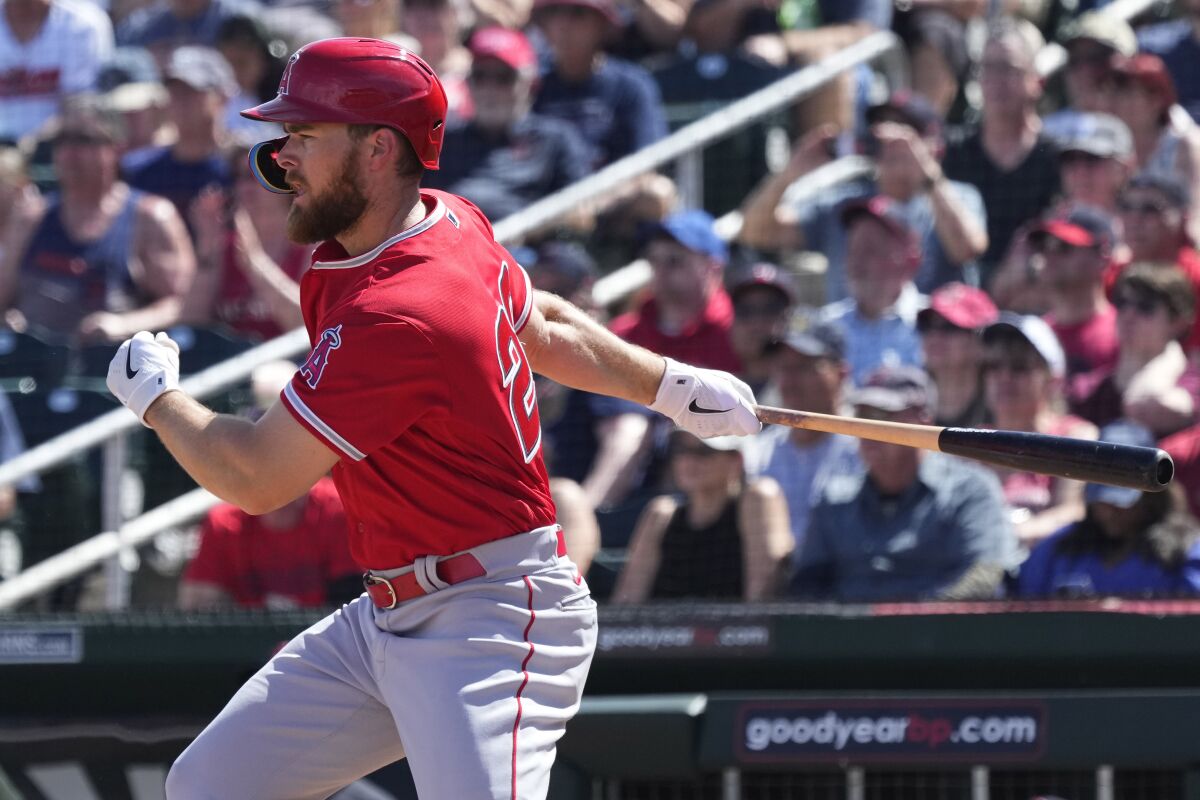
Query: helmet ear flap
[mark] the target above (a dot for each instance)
(266, 169)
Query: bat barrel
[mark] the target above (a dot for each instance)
(1145, 468)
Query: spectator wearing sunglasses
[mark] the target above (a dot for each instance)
(1023, 372)
(1075, 249)
(1155, 306)
(504, 158)
(1154, 217)
(949, 330)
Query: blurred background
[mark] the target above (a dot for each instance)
(978, 213)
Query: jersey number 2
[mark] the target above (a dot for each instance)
(516, 376)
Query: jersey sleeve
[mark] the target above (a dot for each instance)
(365, 383)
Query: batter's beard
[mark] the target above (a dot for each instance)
(331, 212)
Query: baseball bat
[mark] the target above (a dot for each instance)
(1146, 468)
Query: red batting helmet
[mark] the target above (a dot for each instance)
(362, 81)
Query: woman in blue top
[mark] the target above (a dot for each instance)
(1129, 544)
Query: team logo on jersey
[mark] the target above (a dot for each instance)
(314, 367)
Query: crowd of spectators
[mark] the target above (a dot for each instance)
(1020, 254)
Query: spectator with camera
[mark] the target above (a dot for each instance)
(913, 525)
(247, 270)
(904, 140)
(101, 260)
(1024, 370)
(504, 158)
(719, 537)
(950, 329)
(1155, 306)
(1129, 543)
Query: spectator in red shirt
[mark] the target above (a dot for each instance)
(297, 556)
(1154, 216)
(1149, 385)
(689, 315)
(1077, 246)
(248, 271)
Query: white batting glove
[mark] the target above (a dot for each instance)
(706, 402)
(144, 368)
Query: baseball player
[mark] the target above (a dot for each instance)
(468, 651)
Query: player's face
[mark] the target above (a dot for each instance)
(322, 166)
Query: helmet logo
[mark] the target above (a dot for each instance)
(286, 80)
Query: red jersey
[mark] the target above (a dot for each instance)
(1088, 345)
(1187, 260)
(417, 381)
(705, 342)
(263, 566)
(1184, 448)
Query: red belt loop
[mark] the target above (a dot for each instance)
(562, 544)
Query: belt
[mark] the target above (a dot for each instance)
(387, 593)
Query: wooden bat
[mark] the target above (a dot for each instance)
(1146, 468)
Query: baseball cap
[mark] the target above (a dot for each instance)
(1100, 135)
(607, 8)
(1148, 70)
(1104, 28)
(562, 266)
(1122, 431)
(884, 209)
(130, 80)
(693, 229)
(507, 46)
(961, 305)
(201, 68)
(1079, 226)
(811, 336)
(1034, 330)
(895, 388)
(912, 109)
(763, 274)
(1169, 186)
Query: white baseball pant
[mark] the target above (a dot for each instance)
(474, 683)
